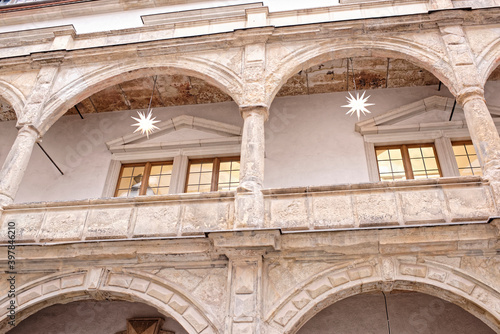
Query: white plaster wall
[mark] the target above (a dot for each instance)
(409, 312)
(309, 141)
(90, 317)
(132, 18)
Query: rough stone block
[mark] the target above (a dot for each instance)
(108, 223)
(359, 273)
(72, 281)
(413, 270)
(422, 206)
(318, 288)
(376, 209)
(139, 284)
(301, 300)
(51, 286)
(157, 220)
(338, 279)
(160, 293)
(285, 315)
(27, 225)
(63, 225)
(244, 279)
(28, 295)
(243, 328)
(205, 216)
(244, 306)
(289, 213)
(469, 204)
(195, 319)
(119, 280)
(332, 210)
(461, 284)
(436, 275)
(178, 304)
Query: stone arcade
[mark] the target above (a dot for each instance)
(307, 233)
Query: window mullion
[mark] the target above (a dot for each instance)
(407, 162)
(145, 179)
(215, 175)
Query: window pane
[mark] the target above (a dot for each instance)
(165, 181)
(395, 154)
(229, 175)
(467, 161)
(417, 164)
(125, 183)
(155, 170)
(194, 179)
(397, 166)
(162, 191)
(127, 171)
(427, 152)
(207, 167)
(206, 178)
(204, 188)
(382, 154)
(192, 189)
(225, 165)
(459, 150)
(193, 168)
(430, 163)
(399, 176)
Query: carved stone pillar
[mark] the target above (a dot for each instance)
(16, 163)
(245, 251)
(484, 135)
(249, 198)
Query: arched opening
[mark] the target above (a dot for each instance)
(89, 317)
(77, 141)
(308, 116)
(406, 312)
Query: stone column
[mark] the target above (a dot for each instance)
(16, 163)
(484, 135)
(249, 198)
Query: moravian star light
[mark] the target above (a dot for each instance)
(145, 124)
(358, 104)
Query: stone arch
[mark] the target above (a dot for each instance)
(489, 60)
(13, 96)
(215, 74)
(361, 46)
(330, 286)
(100, 284)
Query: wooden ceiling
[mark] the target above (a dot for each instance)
(175, 90)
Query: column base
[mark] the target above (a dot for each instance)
(5, 200)
(249, 209)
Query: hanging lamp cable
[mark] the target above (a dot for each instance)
(387, 314)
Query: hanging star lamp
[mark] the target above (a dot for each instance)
(146, 122)
(357, 104)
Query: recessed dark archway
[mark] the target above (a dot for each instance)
(90, 317)
(408, 312)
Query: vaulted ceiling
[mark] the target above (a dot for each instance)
(174, 90)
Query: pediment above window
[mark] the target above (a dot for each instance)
(432, 113)
(178, 133)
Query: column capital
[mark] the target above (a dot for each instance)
(261, 109)
(470, 93)
(29, 129)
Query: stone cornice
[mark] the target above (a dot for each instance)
(42, 38)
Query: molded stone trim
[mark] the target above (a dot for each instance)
(101, 283)
(330, 286)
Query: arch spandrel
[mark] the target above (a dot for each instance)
(82, 85)
(12, 95)
(330, 286)
(102, 284)
(304, 56)
(488, 57)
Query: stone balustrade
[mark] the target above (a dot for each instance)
(369, 205)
